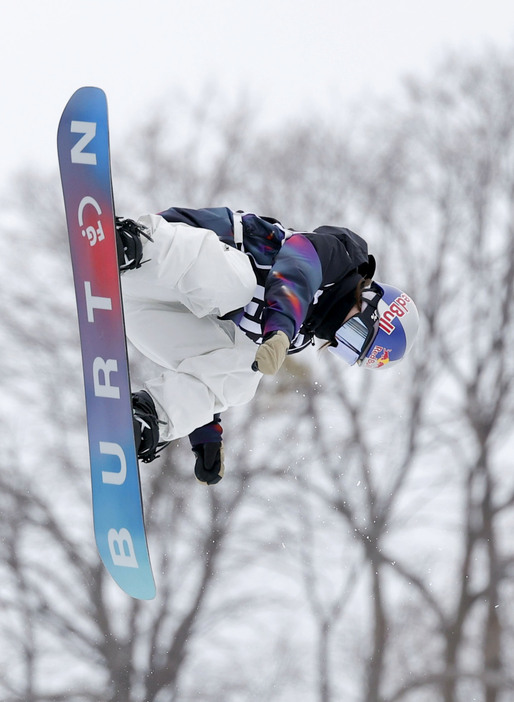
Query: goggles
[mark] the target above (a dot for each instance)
(354, 338)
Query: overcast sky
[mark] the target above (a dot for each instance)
(288, 52)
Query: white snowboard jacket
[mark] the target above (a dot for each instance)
(215, 283)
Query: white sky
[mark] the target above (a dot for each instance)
(289, 53)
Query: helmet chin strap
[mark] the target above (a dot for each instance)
(369, 297)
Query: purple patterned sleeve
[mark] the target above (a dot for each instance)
(291, 285)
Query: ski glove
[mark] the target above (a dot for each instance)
(271, 353)
(207, 446)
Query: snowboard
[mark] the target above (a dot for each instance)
(84, 161)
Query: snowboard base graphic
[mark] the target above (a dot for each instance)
(84, 160)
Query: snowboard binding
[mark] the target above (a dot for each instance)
(128, 243)
(146, 427)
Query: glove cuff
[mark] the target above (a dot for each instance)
(208, 434)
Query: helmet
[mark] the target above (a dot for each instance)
(382, 333)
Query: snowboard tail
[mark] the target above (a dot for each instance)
(84, 160)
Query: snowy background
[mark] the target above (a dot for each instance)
(290, 60)
(359, 548)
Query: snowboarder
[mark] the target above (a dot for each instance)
(216, 298)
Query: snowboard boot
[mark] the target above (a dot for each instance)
(129, 244)
(146, 427)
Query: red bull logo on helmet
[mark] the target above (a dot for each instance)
(397, 328)
(398, 308)
(379, 357)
